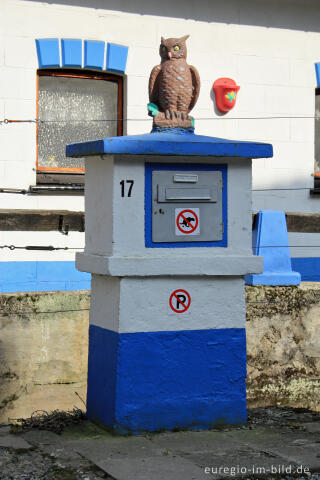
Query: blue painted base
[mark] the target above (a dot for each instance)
(290, 278)
(270, 240)
(148, 381)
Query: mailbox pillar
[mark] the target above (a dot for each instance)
(168, 242)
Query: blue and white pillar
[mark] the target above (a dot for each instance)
(167, 346)
(152, 368)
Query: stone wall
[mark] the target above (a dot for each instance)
(283, 346)
(43, 349)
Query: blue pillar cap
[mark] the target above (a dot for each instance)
(172, 142)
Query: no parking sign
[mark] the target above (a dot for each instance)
(180, 301)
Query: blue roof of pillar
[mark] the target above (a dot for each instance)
(168, 143)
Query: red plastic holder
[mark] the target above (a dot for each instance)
(225, 90)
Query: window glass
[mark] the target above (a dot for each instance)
(73, 110)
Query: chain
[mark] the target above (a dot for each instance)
(39, 247)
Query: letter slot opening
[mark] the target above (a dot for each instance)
(183, 194)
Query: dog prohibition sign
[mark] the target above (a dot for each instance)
(180, 301)
(187, 221)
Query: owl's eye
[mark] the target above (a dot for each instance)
(176, 48)
(163, 48)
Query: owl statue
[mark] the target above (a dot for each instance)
(174, 86)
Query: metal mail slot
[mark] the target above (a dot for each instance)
(185, 178)
(197, 194)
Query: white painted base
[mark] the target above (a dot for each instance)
(128, 305)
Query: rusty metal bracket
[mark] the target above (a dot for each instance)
(63, 228)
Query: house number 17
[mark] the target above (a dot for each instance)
(126, 192)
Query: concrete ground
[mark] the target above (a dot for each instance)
(277, 443)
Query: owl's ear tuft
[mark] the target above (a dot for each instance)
(183, 39)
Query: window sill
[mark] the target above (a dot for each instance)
(55, 178)
(56, 189)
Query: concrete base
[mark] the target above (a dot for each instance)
(156, 363)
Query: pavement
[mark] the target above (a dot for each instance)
(276, 443)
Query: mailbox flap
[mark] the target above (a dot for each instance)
(200, 193)
(186, 204)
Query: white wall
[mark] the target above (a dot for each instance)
(267, 47)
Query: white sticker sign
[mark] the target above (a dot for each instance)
(187, 221)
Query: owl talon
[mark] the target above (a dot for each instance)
(177, 114)
(167, 114)
(171, 114)
(182, 116)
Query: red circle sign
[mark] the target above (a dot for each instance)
(186, 221)
(179, 301)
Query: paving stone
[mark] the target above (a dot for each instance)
(301, 448)
(193, 441)
(122, 447)
(147, 468)
(41, 437)
(14, 441)
(240, 462)
(312, 427)
(138, 458)
(4, 429)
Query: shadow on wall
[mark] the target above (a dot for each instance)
(294, 15)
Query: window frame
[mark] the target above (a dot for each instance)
(75, 73)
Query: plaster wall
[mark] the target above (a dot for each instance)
(269, 48)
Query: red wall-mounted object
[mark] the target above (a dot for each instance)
(225, 90)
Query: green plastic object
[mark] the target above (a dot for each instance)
(153, 108)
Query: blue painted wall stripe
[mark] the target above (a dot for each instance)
(308, 267)
(71, 52)
(116, 58)
(51, 276)
(42, 277)
(146, 381)
(148, 205)
(94, 54)
(48, 52)
(317, 67)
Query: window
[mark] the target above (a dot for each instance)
(74, 106)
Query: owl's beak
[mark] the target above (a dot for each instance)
(169, 54)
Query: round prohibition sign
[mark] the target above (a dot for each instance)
(184, 220)
(180, 301)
